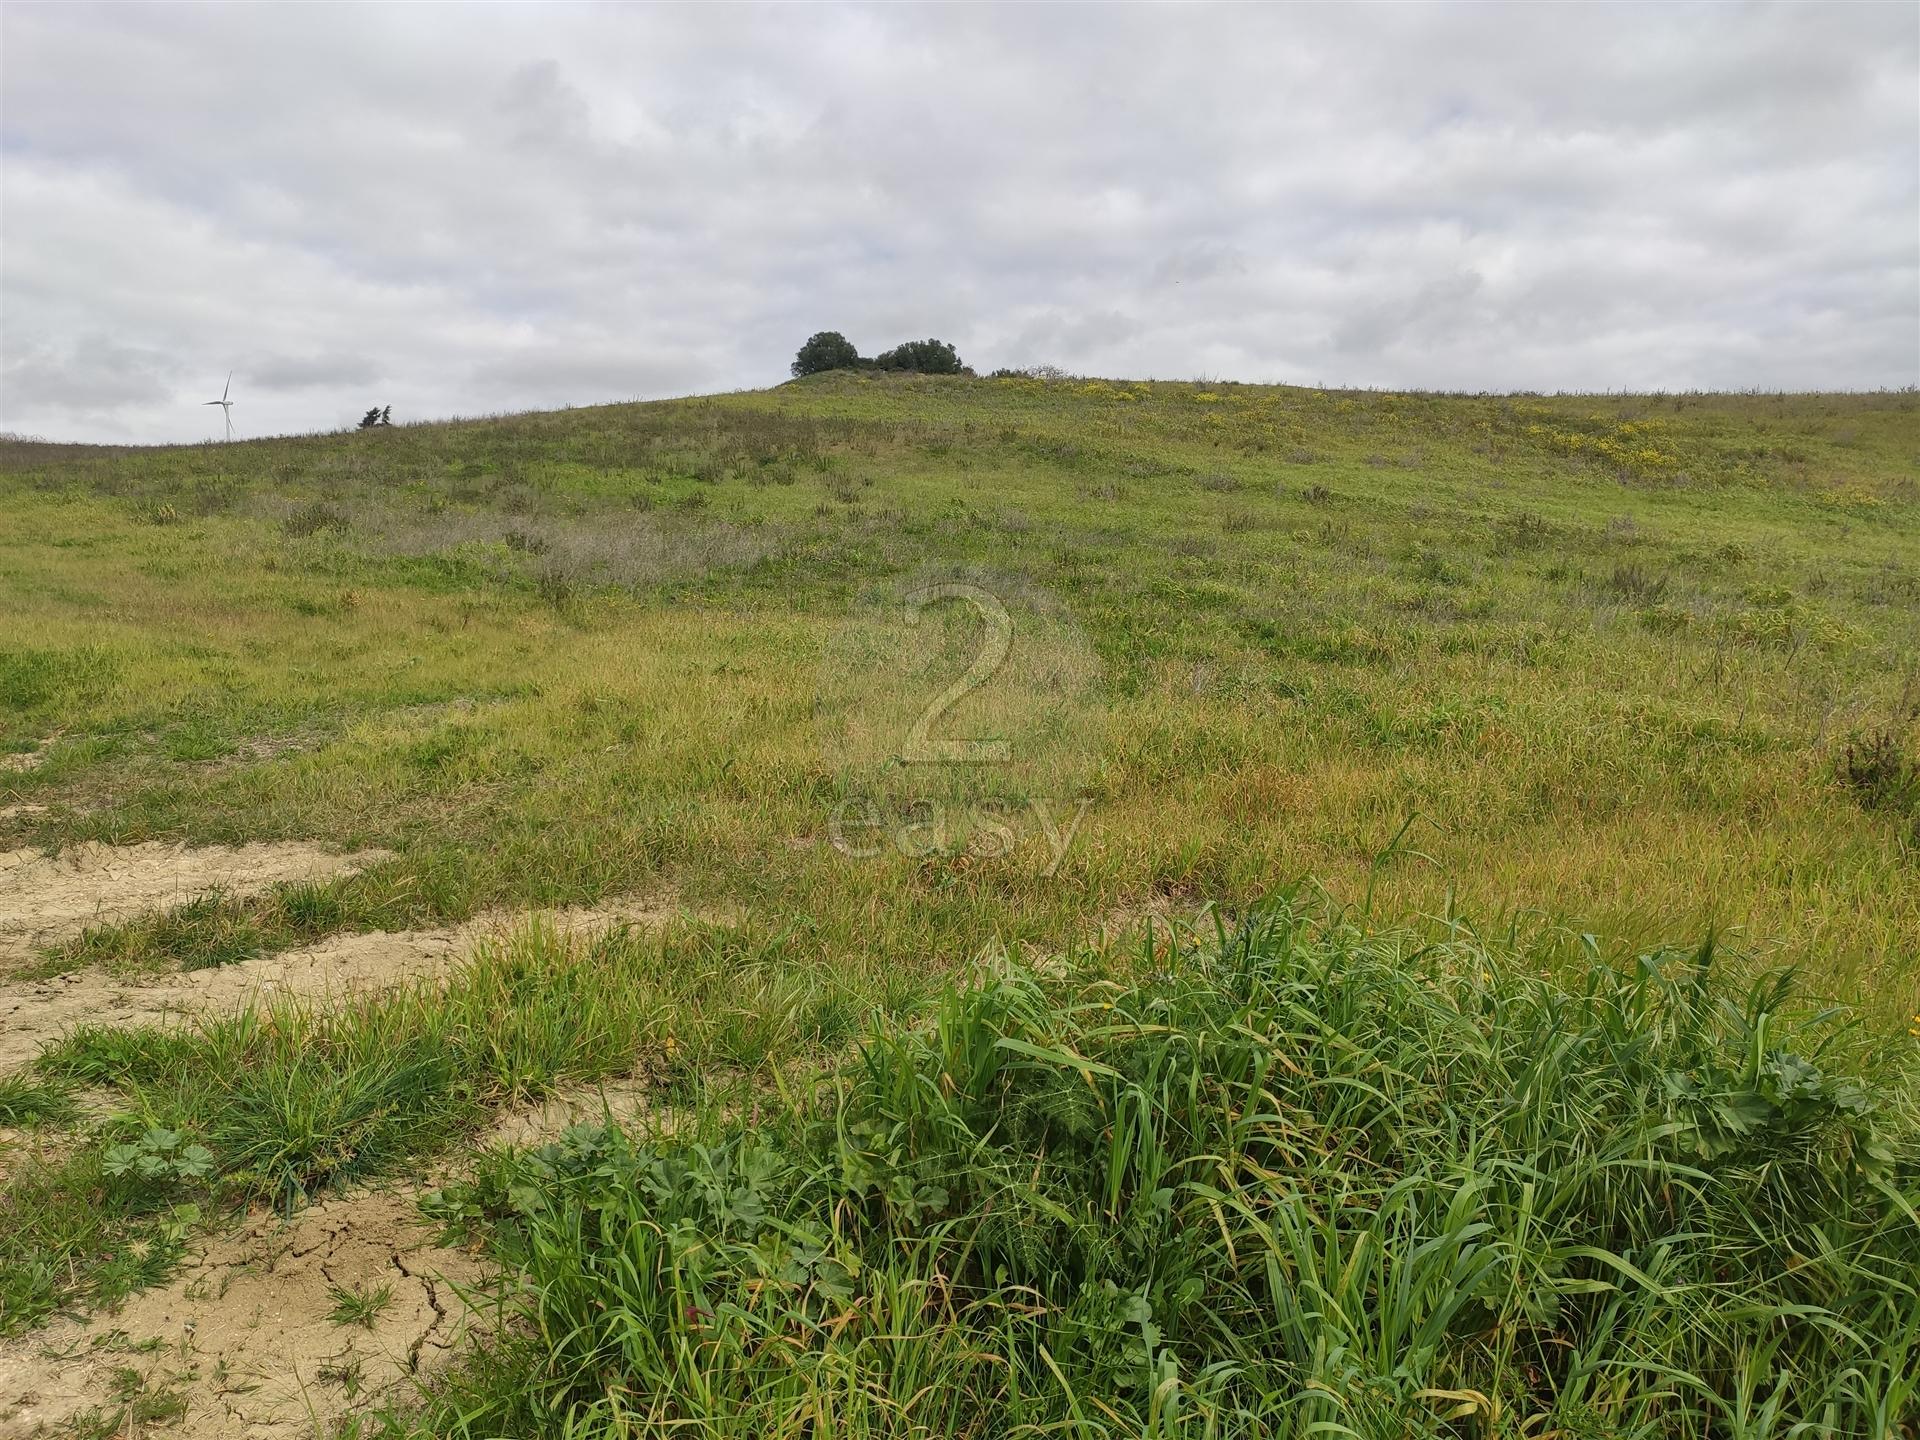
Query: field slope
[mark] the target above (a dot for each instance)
(363, 794)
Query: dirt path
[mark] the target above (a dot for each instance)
(245, 1333)
(48, 898)
(34, 1013)
(621, 1101)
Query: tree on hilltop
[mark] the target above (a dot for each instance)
(923, 357)
(828, 350)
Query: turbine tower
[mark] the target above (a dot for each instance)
(226, 405)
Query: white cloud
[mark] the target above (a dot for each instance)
(459, 211)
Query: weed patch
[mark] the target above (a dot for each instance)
(283, 1100)
(1287, 1182)
(1878, 773)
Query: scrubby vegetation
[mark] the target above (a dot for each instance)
(524, 652)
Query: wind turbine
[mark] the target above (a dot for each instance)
(226, 405)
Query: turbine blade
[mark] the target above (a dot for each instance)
(229, 385)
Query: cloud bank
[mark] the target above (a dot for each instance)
(456, 211)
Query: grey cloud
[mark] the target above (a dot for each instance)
(1071, 333)
(541, 108)
(498, 207)
(1205, 260)
(309, 372)
(1441, 305)
(91, 374)
(559, 373)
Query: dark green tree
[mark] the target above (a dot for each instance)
(828, 350)
(924, 357)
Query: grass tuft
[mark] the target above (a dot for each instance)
(1878, 772)
(28, 1102)
(362, 1307)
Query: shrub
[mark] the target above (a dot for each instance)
(923, 357)
(826, 350)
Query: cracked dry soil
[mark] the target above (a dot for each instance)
(245, 1335)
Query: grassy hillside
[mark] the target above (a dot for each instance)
(1609, 652)
(1518, 743)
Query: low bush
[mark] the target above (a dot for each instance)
(923, 357)
(314, 518)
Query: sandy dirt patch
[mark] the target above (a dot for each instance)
(244, 1330)
(34, 1013)
(48, 898)
(621, 1101)
(1163, 914)
(23, 761)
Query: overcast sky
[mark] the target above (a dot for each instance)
(461, 210)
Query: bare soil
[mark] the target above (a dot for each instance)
(48, 898)
(621, 1101)
(243, 1333)
(20, 763)
(34, 1013)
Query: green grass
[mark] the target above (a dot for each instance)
(138, 1406)
(75, 1237)
(286, 1101)
(216, 929)
(1293, 1181)
(362, 1307)
(27, 1102)
(1594, 671)
(1618, 689)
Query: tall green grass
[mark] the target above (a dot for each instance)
(1294, 1181)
